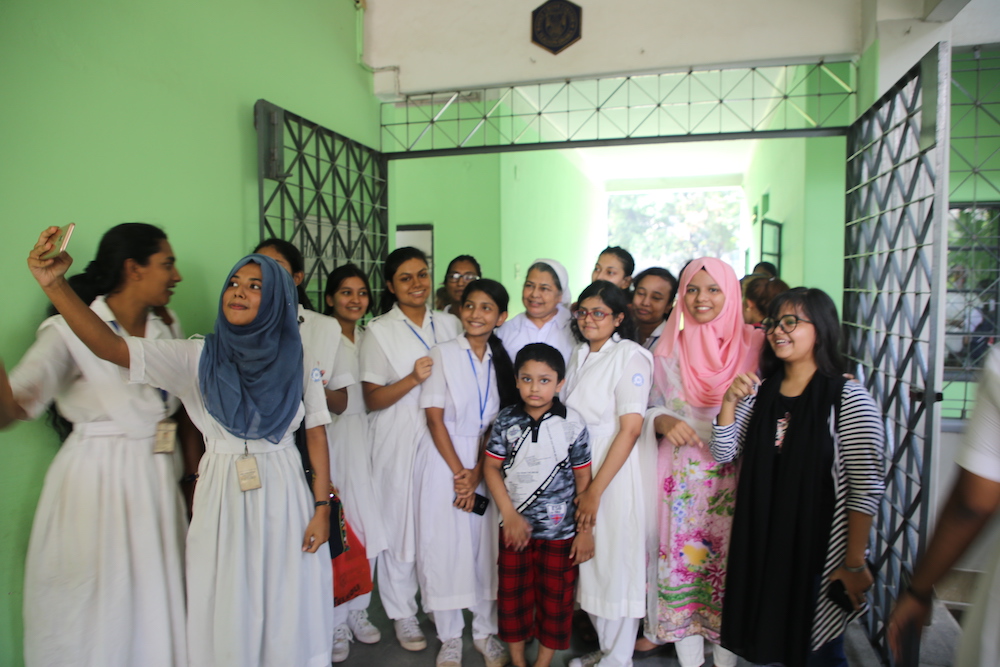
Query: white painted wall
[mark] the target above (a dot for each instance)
(448, 44)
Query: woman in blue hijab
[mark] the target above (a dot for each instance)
(259, 589)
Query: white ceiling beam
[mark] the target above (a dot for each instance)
(939, 11)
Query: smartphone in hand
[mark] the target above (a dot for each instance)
(60, 241)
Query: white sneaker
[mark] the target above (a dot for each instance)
(450, 654)
(362, 628)
(588, 660)
(341, 643)
(494, 651)
(409, 635)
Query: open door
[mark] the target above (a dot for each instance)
(894, 295)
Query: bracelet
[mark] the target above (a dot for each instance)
(855, 570)
(321, 503)
(922, 598)
(189, 479)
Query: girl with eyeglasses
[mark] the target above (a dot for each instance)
(607, 382)
(811, 480)
(704, 346)
(461, 271)
(395, 363)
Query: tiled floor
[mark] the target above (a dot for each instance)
(936, 649)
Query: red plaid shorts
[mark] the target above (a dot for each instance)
(535, 595)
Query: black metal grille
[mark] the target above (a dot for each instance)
(323, 192)
(894, 255)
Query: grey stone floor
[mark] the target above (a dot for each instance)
(937, 646)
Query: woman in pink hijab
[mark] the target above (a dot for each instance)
(704, 346)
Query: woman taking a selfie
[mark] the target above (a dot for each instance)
(110, 505)
(811, 481)
(258, 573)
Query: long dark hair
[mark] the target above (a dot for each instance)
(295, 260)
(506, 381)
(614, 298)
(659, 272)
(817, 307)
(338, 276)
(623, 255)
(392, 264)
(137, 241)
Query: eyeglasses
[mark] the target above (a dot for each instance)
(461, 277)
(598, 315)
(787, 323)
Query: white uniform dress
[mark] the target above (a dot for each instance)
(350, 450)
(457, 550)
(254, 597)
(519, 331)
(104, 575)
(654, 338)
(602, 386)
(391, 346)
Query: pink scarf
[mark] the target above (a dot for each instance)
(710, 355)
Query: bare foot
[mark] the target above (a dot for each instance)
(643, 644)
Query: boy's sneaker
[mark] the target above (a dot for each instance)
(588, 660)
(494, 651)
(450, 654)
(409, 635)
(341, 643)
(362, 628)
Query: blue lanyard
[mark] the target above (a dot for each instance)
(421, 338)
(482, 401)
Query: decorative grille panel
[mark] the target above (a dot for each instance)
(325, 193)
(622, 109)
(894, 256)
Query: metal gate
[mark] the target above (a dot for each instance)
(894, 284)
(325, 193)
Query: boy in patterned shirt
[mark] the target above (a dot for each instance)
(538, 461)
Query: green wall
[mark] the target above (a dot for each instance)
(506, 210)
(549, 209)
(460, 196)
(117, 110)
(805, 180)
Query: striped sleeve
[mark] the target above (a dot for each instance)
(727, 441)
(862, 444)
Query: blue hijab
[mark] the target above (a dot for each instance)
(251, 376)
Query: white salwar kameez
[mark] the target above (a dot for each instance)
(104, 574)
(254, 597)
(456, 550)
(603, 386)
(392, 344)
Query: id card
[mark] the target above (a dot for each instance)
(166, 437)
(246, 469)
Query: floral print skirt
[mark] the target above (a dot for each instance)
(696, 502)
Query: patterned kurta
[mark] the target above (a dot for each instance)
(696, 498)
